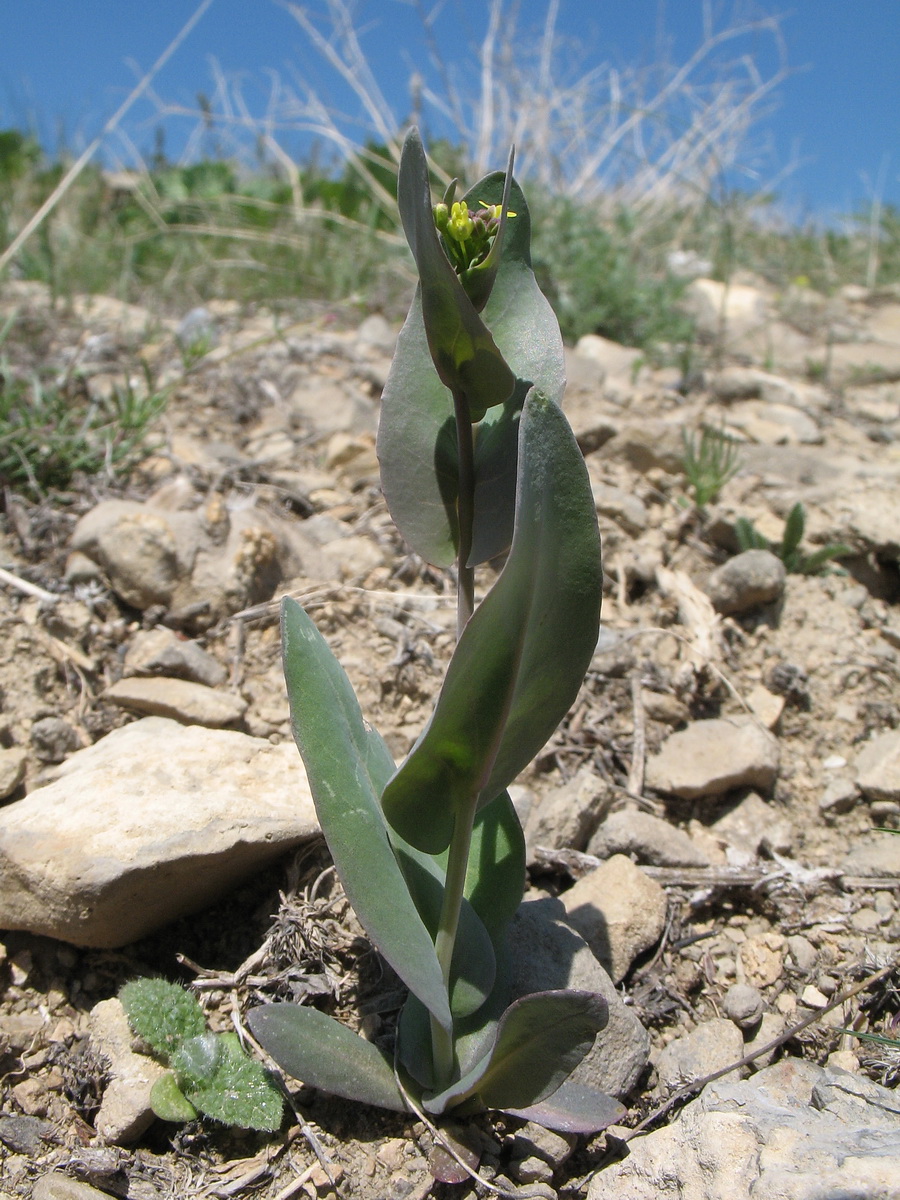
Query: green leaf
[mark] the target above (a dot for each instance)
(495, 877)
(238, 1091)
(417, 432)
(573, 1108)
(169, 1102)
(462, 349)
(811, 563)
(793, 532)
(523, 653)
(162, 1013)
(748, 537)
(541, 1039)
(348, 764)
(319, 1051)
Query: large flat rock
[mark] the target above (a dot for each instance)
(154, 821)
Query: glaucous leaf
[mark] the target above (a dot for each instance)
(321, 1052)
(540, 1040)
(348, 764)
(520, 661)
(573, 1108)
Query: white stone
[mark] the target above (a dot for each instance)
(155, 820)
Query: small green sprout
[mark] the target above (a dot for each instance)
(795, 560)
(210, 1073)
(709, 463)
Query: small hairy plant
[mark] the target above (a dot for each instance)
(210, 1073)
(795, 559)
(477, 460)
(709, 462)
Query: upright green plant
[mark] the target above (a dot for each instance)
(477, 459)
(709, 463)
(795, 559)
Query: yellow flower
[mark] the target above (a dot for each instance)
(460, 225)
(493, 210)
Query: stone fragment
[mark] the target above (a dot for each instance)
(743, 1004)
(619, 911)
(190, 703)
(746, 581)
(664, 707)
(878, 854)
(714, 756)
(794, 1130)
(155, 820)
(760, 959)
(162, 652)
(622, 507)
(58, 1186)
(569, 814)
(646, 839)
(878, 767)
(752, 825)
(728, 311)
(125, 1112)
(709, 1047)
(547, 955)
(770, 1026)
(803, 952)
(12, 769)
(53, 738)
(766, 705)
(26, 1135)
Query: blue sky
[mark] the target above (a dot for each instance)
(65, 66)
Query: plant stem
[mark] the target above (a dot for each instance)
(465, 575)
(445, 941)
(458, 857)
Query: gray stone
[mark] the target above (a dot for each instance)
(57, 1186)
(162, 652)
(53, 738)
(154, 821)
(803, 952)
(568, 815)
(619, 911)
(547, 955)
(709, 1047)
(622, 507)
(712, 757)
(12, 769)
(746, 581)
(125, 1111)
(647, 839)
(731, 310)
(878, 767)
(795, 1130)
(752, 825)
(743, 1004)
(875, 855)
(190, 703)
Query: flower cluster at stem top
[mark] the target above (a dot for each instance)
(468, 234)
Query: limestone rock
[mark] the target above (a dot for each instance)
(875, 855)
(125, 1111)
(752, 825)
(878, 767)
(567, 817)
(619, 911)
(58, 1186)
(154, 821)
(709, 1047)
(734, 310)
(547, 954)
(647, 839)
(622, 507)
(190, 703)
(746, 581)
(161, 651)
(12, 770)
(712, 757)
(794, 1130)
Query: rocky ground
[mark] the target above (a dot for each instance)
(709, 818)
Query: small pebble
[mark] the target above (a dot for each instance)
(864, 920)
(743, 1004)
(812, 997)
(803, 952)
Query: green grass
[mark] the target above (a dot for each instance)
(52, 432)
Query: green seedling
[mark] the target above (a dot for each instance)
(477, 460)
(709, 463)
(795, 560)
(210, 1073)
